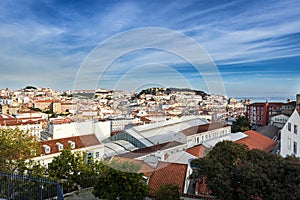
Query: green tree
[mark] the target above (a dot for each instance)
(234, 172)
(219, 167)
(16, 146)
(241, 124)
(168, 192)
(66, 169)
(115, 182)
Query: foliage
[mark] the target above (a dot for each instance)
(113, 183)
(16, 146)
(234, 172)
(71, 170)
(168, 192)
(241, 124)
(35, 109)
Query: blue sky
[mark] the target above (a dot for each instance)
(255, 44)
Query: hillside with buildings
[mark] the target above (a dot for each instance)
(162, 130)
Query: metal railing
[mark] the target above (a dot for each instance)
(17, 187)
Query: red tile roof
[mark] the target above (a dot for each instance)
(202, 128)
(80, 142)
(172, 173)
(145, 119)
(256, 140)
(198, 151)
(43, 101)
(18, 122)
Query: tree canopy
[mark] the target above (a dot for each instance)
(241, 124)
(168, 192)
(115, 182)
(234, 172)
(16, 146)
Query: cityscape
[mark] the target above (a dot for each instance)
(149, 100)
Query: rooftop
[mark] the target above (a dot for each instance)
(203, 128)
(162, 132)
(80, 142)
(230, 137)
(256, 140)
(149, 150)
(197, 151)
(172, 173)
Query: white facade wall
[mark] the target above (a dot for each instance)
(6, 101)
(100, 129)
(32, 129)
(279, 120)
(97, 152)
(290, 136)
(119, 124)
(199, 138)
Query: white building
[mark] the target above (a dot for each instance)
(290, 136)
(157, 133)
(279, 120)
(119, 123)
(88, 144)
(32, 126)
(189, 130)
(60, 129)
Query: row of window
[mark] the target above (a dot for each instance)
(280, 120)
(290, 128)
(199, 140)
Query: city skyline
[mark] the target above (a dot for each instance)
(255, 45)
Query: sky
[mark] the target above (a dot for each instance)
(253, 45)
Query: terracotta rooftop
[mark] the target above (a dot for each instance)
(80, 142)
(145, 119)
(198, 151)
(20, 121)
(203, 128)
(172, 173)
(43, 101)
(149, 150)
(256, 140)
(61, 121)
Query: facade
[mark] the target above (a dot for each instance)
(199, 134)
(119, 124)
(43, 104)
(288, 108)
(259, 114)
(279, 120)
(32, 126)
(88, 144)
(66, 128)
(56, 107)
(161, 132)
(290, 136)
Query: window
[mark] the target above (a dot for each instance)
(97, 155)
(295, 129)
(295, 148)
(289, 126)
(289, 143)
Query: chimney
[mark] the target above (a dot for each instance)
(298, 101)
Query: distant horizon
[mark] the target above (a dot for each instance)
(272, 98)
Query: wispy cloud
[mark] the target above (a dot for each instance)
(48, 40)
